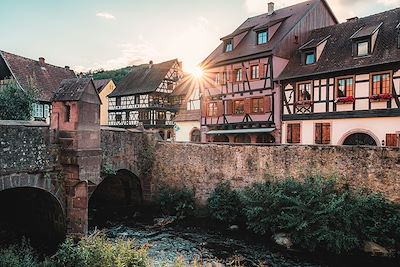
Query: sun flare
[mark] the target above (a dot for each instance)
(197, 72)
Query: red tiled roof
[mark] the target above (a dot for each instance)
(46, 78)
(188, 115)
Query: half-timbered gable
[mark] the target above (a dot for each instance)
(240, 100)
(144, 97)
(352, 83)
(39, 76)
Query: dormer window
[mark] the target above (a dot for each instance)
(229, 45)
(262, 37)
(309, 57)
(363, 48)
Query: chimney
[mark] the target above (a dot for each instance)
(150, 64)
(271, 8)
(352, 19)
(42, 61)
(67, 67)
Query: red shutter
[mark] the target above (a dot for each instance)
(296, 133)
(289, 133)
(267, 104)
(229, 107)
(247, 105)
(244, 74)
(249, 73)
(231, 76)
(392, 140)
(261, 70)
(326, 133)
(204, 107)
(318, 133)
(220, 108)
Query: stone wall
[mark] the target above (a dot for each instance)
(25, 146)
(203, 166)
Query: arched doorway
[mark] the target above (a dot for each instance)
(169, 135)
(242, 139)
(359, 139)
(195, 136)
(116, 196)
(162, 134)
(265, 139)
(32, 213)
(221, 138)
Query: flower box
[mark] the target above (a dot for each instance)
(304, 103)
(380, 97)
(345, 100)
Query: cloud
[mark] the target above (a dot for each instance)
(105, 15)
(129, 54)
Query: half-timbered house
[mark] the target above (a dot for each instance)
(144, 98)
(342, 85)
(35, 75)
(241, 103)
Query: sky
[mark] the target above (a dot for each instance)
(109, 34)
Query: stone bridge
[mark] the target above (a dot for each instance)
(47, 185)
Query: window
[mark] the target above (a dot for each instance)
(217, 79)
(381, 83)
(229, 45)
(238, 75)
(37, 110)
(257, 105)
(345, 87)
(310, 57)
(304, 91)
(362, 48)
(161, 115)
(392, 140)
(255, 72)
(118, 101)
(262, 37)
(323, 133)
(224, 78)
(137, 99)
(195, 136)
(67, 113)
(118, 117)
(143, 115)
(212, 109)
(293, 133)
(238, 107)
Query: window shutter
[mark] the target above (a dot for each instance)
(244, 74)
(289, 134)
(318, 133)
(296, 133)
(229, 107)
(392, 140)
(261, 70)
(267, 103)
(231, 76)
(326, 133)
(204, 107)
(247, 105)
(220, 108)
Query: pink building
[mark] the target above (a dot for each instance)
(240, 100)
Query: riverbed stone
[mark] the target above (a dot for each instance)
(375, 249)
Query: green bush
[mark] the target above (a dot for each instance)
(224, 204)
(318, 216)
(16, 104)
(17, 256)
(177, 202)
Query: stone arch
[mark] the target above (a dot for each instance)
(361, 132)
(34, 213)
(243, 139)
(221, 138)
(265, 138)
(117, 194)
(195, 135)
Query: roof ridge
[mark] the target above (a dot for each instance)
(286, 7)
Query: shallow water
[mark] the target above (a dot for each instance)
(196, 244)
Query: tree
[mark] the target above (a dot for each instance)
(15, 103)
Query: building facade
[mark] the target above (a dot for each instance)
(342, 86)
(143, 98)
(240, 102)
(104, 87)
(187, 121)
(37, 75)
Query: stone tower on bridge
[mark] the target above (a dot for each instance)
(75, 125)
